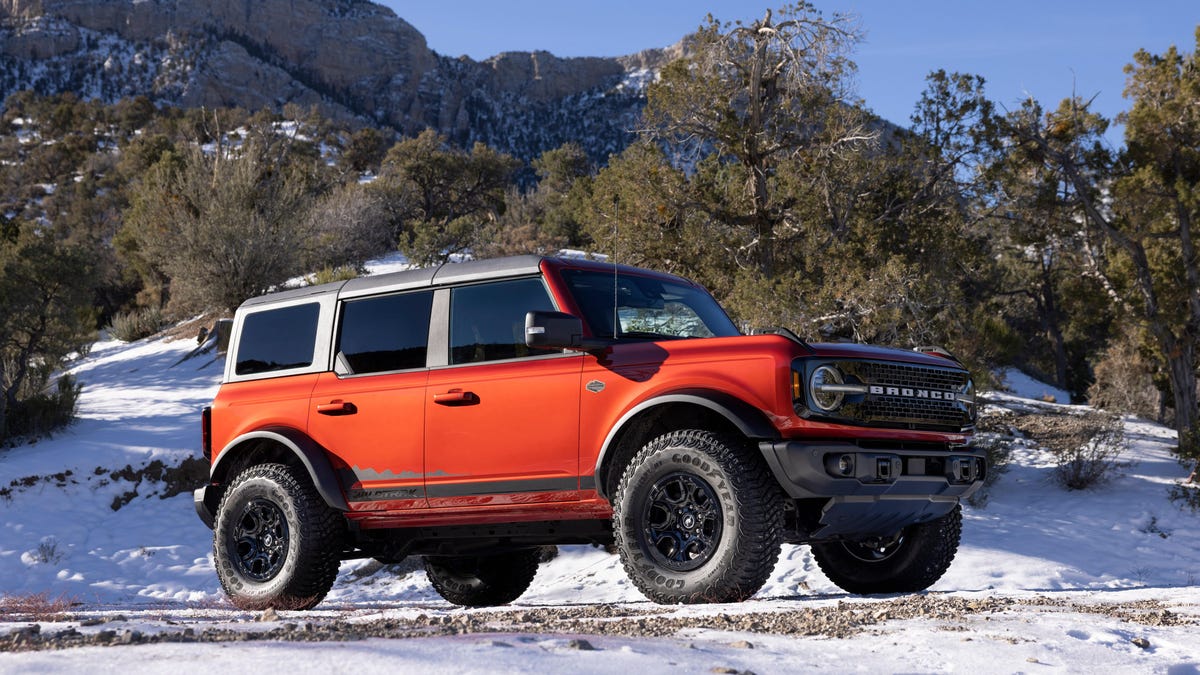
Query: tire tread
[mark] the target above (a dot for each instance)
(936, 545)
(757, 540)
(320, 548)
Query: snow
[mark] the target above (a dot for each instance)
(1025, 386)
(148, 566)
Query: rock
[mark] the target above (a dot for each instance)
(269, 614)
(1141, 642)
(581, 645)
(351, 59)
(741, 644)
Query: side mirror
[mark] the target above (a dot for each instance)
(553, 330)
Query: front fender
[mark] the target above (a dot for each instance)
(750, 421)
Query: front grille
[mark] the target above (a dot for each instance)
(905, 396)
(910, 410)
(901, 375)
(886, 409)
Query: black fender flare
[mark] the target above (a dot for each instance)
(749, 420)
(305, 449)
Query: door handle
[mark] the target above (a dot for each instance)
(456, 397)
(336, 408)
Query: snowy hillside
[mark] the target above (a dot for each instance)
(1045, 576)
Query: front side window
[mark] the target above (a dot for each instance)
(385, 333)
(635, 307)
(487, 322)
(278, 339)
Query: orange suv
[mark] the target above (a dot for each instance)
(472, 413)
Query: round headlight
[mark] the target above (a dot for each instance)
(825, 401)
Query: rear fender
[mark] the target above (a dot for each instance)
(311, 455)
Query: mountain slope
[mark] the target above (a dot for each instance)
(351, 59)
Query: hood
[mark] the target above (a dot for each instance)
(849, 350)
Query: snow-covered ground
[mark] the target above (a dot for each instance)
(1081, 575)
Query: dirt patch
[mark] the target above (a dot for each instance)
(1062, 433)
(184, 477)
(1086, 445)
(843, 620)
(60, 479)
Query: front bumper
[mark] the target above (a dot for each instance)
(874, 491)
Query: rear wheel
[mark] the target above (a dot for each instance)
(276, 543)
(485, 580)
(911, 561)
(697, 518)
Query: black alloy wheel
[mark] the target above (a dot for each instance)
(682, 522)
(261, 540)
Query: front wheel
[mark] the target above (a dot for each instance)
(483, 580)
(697, 517)
(276, 543)
(911, 561)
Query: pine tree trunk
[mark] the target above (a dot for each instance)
(1182, 374)
(1049, 311)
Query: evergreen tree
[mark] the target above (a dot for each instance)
(45, 301)
(440, 199)
(1143, 238)
(756, 96)
(223, 226)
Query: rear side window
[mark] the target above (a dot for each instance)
(487, 322)
(386, 333)
(278, 339)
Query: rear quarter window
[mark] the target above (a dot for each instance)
(278, 339)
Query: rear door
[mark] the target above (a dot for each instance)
(369, 412)
(502, 421)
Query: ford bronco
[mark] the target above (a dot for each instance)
(474, 413)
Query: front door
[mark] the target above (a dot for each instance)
(501, 420)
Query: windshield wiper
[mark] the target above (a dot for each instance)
(648, 335)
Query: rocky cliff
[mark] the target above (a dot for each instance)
(350, 58)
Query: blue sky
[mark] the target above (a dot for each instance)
(1043, 49)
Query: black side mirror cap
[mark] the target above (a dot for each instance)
(558, 330)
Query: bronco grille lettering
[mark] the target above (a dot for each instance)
(908, 392)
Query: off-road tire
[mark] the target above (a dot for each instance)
(276, 543)
(483, 580)
(697, 517)
(915, 562)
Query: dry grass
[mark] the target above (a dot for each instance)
(1087, 447)
(188, 330)
(35, 607)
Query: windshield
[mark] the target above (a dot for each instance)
(645, 307)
